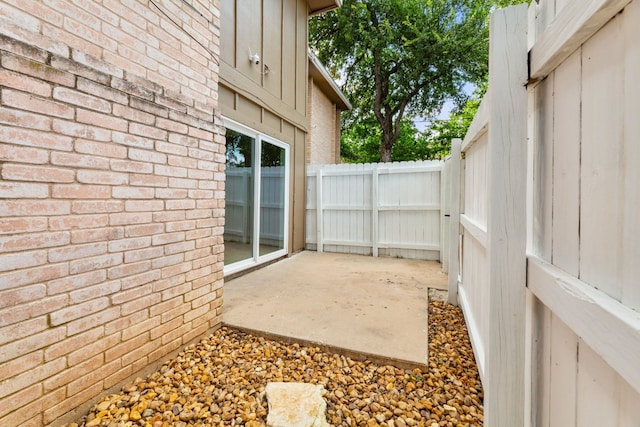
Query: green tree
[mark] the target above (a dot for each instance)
(402, 58)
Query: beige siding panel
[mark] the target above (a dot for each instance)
(289, 16)
(631, 206)
(227, 101)
(272, 47)
(566, 165)
(248, 34)
(273, 122)
(602, 143)
(302, 61)
(228, 32)
(250, 112)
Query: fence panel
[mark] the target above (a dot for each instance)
(375, 209)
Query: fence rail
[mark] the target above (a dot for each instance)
(375, 209)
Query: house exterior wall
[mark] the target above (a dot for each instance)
(270, 97)
(111, 195)
(324, 132)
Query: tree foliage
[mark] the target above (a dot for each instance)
(401, 58)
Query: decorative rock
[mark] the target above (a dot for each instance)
(296, 405)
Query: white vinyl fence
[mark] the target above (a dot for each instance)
(375, 209)
(545, 233)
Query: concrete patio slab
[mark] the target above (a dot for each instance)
(373, 307)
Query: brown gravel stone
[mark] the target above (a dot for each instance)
(221, 382)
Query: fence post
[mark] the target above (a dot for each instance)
(506, 228)
(375, 204)
(454, 220)
(319, 213)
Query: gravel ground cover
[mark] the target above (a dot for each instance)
(221, 380)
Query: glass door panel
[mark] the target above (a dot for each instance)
(272, 197)
(239, 198)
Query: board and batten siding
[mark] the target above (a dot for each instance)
(375, 209)
(270, 97)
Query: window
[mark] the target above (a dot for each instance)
(256, 198)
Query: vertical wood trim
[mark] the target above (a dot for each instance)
(504, 401)
(319, 212)
(454, 221)
(375, 206)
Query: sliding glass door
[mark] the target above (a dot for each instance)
(256, 201)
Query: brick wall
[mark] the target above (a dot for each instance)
(323, 145)
(111, 195)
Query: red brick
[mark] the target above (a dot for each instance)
(143, 254)
(165, 328)
(35, 375)
(34, 275)
(180, 289)
(33, 241)
(183, 183)
(76, 282)
(102, 177)
(24, 416)
(131, 166)
(75, 372)
(95, 263)
(179, 247)
(92, 292)
(166, 216)
(37, 69)
(96, 206)
(143, 230)
(101, 149)
(195, 332)
(125, 270)
(12, 153)
(96, 235)
(200, 174)
(80, 70)
(139, 304)
(26, 101)
(180, 204)
(147, 155)
(97, 347)
(20, 364)
(103, 92)
(33, 138)
(24, 119)
(184, 140)
(94, 377)
(130, 218)
(22, 260)
(22, 329)
(57, 409)
(171, 125)
(175, 334)
(25, 83)
(166, 261)
(102, 120)
(195, 313)
(198, 254)
(22, 49)
(171, 193)
(149, 107)
(79, 130)
(129, 244)
(121, 374)
(79, 160)
(32, 343)
(36, 173)
(89, 34)
(140, 328)
(183, 162)
(176, 269)
(164, 350)
(116, 326)
(163, 239)
(77, 311)
(82, 341)
(133, 114)
(166, 147)
(78, 221)
(22, 225)
(175, 313)
(180, 226)
(165, 170)
(133, 193)
(150, 181)
(93, 320)
(128, 295)
(147, 131)
(96, 63)
(140, 279)
(144, 205)
(79, 191)
(125, 347)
